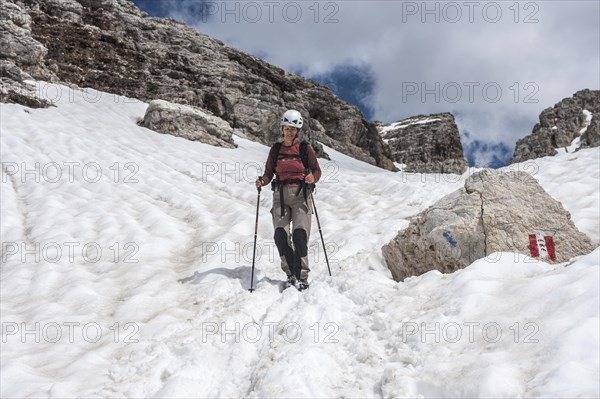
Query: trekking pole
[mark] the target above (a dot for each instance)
(255, 232)
(320, 232)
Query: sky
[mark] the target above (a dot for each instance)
(494, 65)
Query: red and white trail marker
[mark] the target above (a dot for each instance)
(542, 247)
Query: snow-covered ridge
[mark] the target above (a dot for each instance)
(162, 310)
(405, 123)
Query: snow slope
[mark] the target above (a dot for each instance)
(126, 263)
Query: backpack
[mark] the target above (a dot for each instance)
(304, 157)
(303, 153)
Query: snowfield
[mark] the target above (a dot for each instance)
(126, 263)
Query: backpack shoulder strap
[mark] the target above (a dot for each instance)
(304, 153)
(275, 153)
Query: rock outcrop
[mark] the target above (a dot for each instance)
(188, 122)
(20, 52)
(19, 92)
(112, 46)
(496, 211)
(591, 136)
(426, 144)
(562, 124)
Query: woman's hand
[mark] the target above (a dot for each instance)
(309, 178)
(259, 183)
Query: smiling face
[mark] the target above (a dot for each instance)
(289, 134)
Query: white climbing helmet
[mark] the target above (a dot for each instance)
(292, 118)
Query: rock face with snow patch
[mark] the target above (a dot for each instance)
(559, 125)
(426, 144)
(188, 122)
(114, 47)
(591, 136)
(19, 51)
(496, 211)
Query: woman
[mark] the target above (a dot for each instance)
(296, 169)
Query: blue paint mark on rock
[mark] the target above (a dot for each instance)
(450, 239)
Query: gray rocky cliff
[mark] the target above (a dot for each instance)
(20, 53)
(426, 144)
(112, 46)
(560, 125)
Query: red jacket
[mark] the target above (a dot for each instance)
(289, 164)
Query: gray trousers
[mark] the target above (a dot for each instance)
(292, 248)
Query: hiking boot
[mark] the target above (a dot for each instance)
(291, 280)
(302, 284)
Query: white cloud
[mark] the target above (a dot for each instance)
(541, 61)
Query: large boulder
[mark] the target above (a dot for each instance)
(19, 92)
(188, 122)
(426, 144)
(560, 125)
(496, 211)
